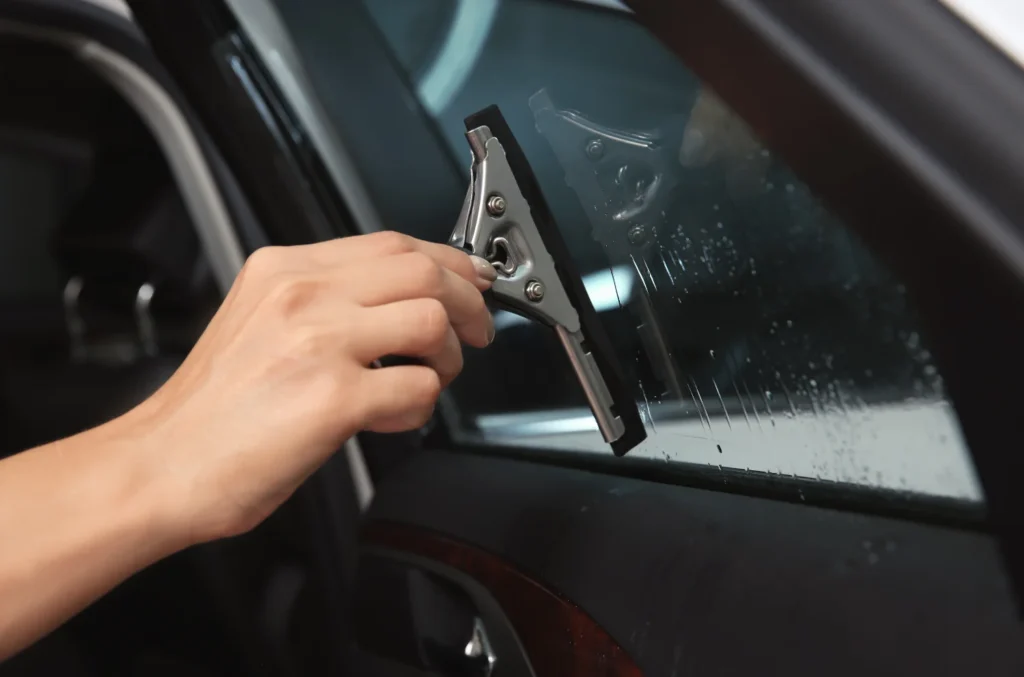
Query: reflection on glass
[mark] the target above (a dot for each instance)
(760, 334)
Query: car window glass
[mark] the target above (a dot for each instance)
(760, 334)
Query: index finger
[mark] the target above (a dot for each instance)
(471, 268)
(389, 243)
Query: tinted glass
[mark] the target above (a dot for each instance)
(759, 333)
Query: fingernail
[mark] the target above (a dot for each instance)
(484, 269)
(490, 332)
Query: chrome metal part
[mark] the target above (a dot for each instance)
(512, 238)
(594, 387)
(504, 259)
(479, 648)
(144, 320)
(496, 205)
(528, 282)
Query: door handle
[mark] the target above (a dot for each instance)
(412, 616)
(479, 652)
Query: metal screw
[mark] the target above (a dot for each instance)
(637, 234)
(496, 205)
(534, 290)
(595, 149)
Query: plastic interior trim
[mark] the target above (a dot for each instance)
(263, 27)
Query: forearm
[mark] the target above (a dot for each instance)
(77, 517)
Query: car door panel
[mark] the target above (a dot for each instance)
(532, 630)
(711, 583)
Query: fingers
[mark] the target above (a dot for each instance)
(387, 267)
(396, 399)
(401, 398)
(448, 362)
(416, 328)
(398, 424)
(414, 275)
(473, 269)
(388, 243)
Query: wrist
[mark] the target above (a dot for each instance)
(137, 482)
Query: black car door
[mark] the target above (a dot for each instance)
(813, 274)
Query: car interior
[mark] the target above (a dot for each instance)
(105, 289)
(791, 292)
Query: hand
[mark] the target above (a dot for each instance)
(282, 376)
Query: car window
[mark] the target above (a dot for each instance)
(760, 334)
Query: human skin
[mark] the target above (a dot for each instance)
(280, 378)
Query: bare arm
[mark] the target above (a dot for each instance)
(76, 518)
(279, 379)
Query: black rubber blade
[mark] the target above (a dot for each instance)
(596, 338)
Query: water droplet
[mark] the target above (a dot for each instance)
(720, 226)
(789, 323)
(719, 448)
(790, 187)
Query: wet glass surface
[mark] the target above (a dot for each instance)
(759, 333)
